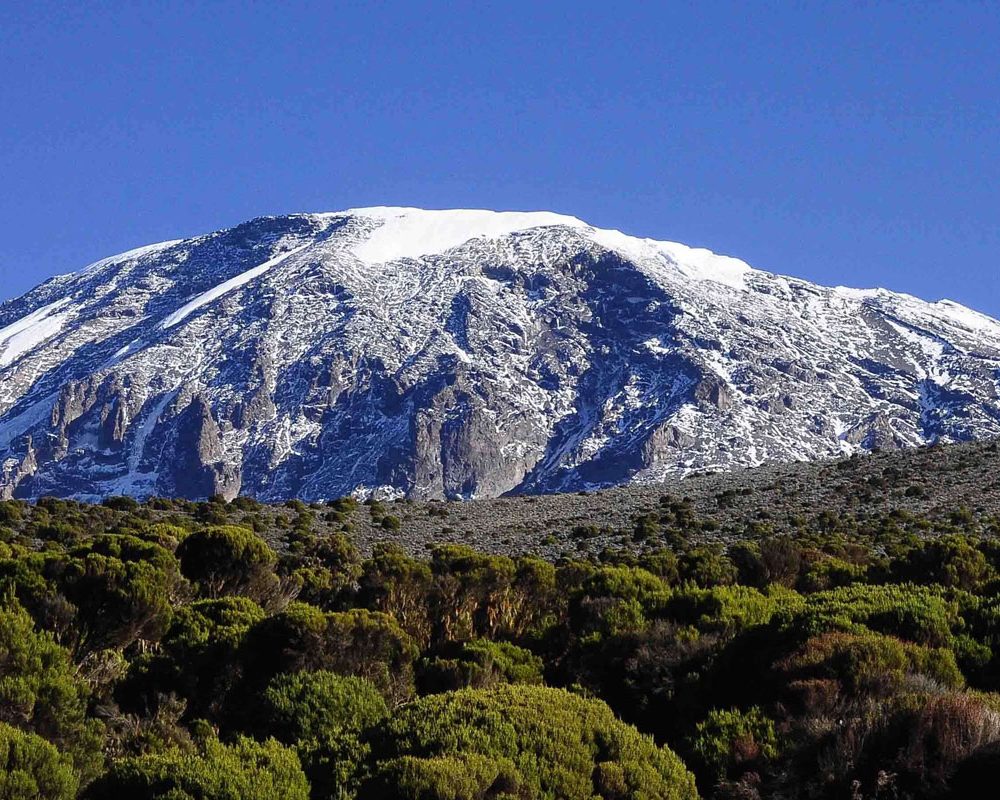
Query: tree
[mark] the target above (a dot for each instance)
(368, 644)
(227, 560)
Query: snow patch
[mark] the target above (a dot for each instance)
(693, 262)
(966, 317)
(414, 232)
(128, 255)
(30, 331)
(225, 287)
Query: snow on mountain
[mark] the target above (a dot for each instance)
(458, 354)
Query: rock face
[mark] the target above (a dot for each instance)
(460, 354)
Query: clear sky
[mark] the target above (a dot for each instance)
(847, 143)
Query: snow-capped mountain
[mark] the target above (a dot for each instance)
(460, 354)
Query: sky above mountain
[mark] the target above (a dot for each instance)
(857, 144)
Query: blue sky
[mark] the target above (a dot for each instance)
(850, 143)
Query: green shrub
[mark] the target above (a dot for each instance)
(227, 559)
(948, 561)
(122, 587)
(302, 638)
(730, 609)
(245, 770)
(323, 715)
(32, 769)
(730, 740)
(41, 693)
(198, 660)
(316, 705)
(707, 566)
(479, 664)
(539, 742)
(919, 614)
(833, 667)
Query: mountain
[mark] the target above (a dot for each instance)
(461, 354)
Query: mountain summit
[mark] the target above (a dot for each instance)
(460, 354)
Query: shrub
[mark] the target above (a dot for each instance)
(41, 693)
(835, 667)
(707, 566)
(122, 587)
(479, 664)
(323, 715)
(228, 559)
(32, 769)
(731, 740)
(536, 742)
(364, 643)
(391, 522)
(317, 705)
(925, 740)
(919, 614)
(730, 609)
(244, 770)
(198, 659)
(394, 583)
(949, 561)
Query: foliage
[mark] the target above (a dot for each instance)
(198, 659)
(123, 588)
(368, 644)
(732, 739)
(539, 742)
(227, 559)
(324, 715)
(141, 642)
(245, 770)
(478, 664)
(40, 692)
(32, 769)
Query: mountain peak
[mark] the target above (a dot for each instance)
(488, 352)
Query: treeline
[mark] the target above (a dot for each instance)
(207, 652)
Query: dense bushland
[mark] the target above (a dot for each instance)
(214, 651)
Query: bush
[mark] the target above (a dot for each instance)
(227, 559)
(536, 742)
(919, 614)
(924, 741)
(32, 769)
(198, 659)
(478, 664)
(364, 643)
(245, 770)
(122, 587)
(732, 740)
(40, 692)
(834, 667)
(948, 561)
(317, 705)
(323, 715)
(730, 609)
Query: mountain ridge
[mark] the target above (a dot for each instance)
(460, 353)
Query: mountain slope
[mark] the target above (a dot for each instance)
(460, 354)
